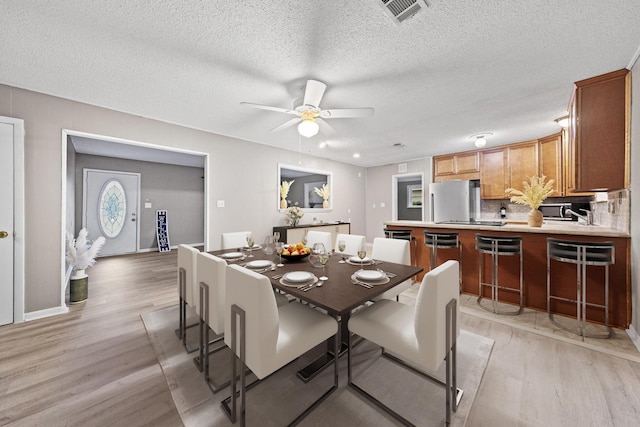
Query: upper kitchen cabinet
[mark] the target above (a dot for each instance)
(456, 166)
(507, 166)
(550, 150)
(598, 146)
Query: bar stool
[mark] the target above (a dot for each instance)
(435, 240)
(582, 254)
(404, 234)
(498, 246)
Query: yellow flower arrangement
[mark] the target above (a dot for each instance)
(284, 188)
(532, 194)
(322, 192)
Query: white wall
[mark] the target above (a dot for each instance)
(241, 173)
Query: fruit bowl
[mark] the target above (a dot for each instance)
(295, 257)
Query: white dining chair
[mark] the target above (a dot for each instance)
(234, 240)
(352, 243)
(421, 336)
(187, 290)
(396, 251)
(323, 237)
(266, 337)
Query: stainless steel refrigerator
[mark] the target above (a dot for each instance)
(455, 201)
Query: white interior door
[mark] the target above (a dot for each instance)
(6, 224)
(110, 209)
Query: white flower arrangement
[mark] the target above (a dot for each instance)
(80, 252)
(293, 215)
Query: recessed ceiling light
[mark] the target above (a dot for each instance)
(356, 155)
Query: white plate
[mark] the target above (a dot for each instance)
(298, 276)
(232, 255)
(259, 263)
(253, 248)
(356, 258)
(370, 275)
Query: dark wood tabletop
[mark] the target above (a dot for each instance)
(338, 295)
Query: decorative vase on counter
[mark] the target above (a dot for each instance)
(535, 218)
(294, 222)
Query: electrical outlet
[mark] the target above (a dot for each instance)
(221, 203)
(382, 204)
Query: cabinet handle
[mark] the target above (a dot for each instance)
(3, 234)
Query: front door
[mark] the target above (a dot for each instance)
(6, 223)
(110, 209)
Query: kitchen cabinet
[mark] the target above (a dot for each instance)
(507, 166)
(598, 146)
(550, 161)
(464, 165)
(295, 234)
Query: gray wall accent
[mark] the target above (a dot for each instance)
(242, 173)
(178, 189)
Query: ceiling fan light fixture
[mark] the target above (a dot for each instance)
(308, 128)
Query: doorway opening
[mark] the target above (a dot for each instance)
(408, 197)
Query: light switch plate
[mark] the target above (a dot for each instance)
(147, 205)
(221, 203)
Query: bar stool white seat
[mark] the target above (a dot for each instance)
(582, 254)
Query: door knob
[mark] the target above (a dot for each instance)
(3, 234)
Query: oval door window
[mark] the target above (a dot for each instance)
(112, 208)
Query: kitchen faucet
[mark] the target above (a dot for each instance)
(588, 218)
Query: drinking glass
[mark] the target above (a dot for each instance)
(341, 247)
(268, 245)
(304, 238)
(362, 253)
(279, 249)
(323, 257)
(276, 236)
(250, 244)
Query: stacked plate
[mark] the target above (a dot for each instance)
(298, 278)
(259, 263)
(356, 260)
(372, 277)
(232, 255)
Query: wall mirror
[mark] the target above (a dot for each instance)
(301, 190)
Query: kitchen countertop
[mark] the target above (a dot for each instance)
(547, 228)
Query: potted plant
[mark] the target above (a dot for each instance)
(81, 254)
(532, 195)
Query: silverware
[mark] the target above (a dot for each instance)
(313, 285)
(276, 276)
(264, 270)
(308, 286)
(363, 284)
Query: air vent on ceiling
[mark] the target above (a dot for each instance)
(401, 10)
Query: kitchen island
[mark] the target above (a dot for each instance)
(534, 246)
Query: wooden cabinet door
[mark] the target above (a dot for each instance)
(600, 132)
(550, 161)
(493, 173)
(444, 165)
(467, 163)
(523, 163)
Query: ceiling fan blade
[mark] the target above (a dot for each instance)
(314, 92)
(286, 125)
(346, 113)
(270, 108)
(324, 127)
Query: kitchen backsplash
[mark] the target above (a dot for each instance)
(610, 210)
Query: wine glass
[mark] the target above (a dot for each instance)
(341, 247)
(323, 257)
(276, 236)
(250, 244)
(362, 254)
(304, 238)
(279, 249)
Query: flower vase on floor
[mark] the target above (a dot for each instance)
(78, 286)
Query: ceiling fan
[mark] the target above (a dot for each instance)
(310, 118)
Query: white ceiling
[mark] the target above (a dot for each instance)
(455, 69)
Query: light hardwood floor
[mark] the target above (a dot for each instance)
(95, 365)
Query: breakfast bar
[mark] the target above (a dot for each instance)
(534, 247)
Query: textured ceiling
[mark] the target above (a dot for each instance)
(455, 69)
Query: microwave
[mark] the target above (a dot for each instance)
(557, 211)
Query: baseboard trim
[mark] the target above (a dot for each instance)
(633, 334)
(48, 312)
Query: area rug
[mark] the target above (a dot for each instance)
(282, 396)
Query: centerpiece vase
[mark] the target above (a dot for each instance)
(283, 203)
(535, 218)
(294, 222)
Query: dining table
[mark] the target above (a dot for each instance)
(338, 295)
